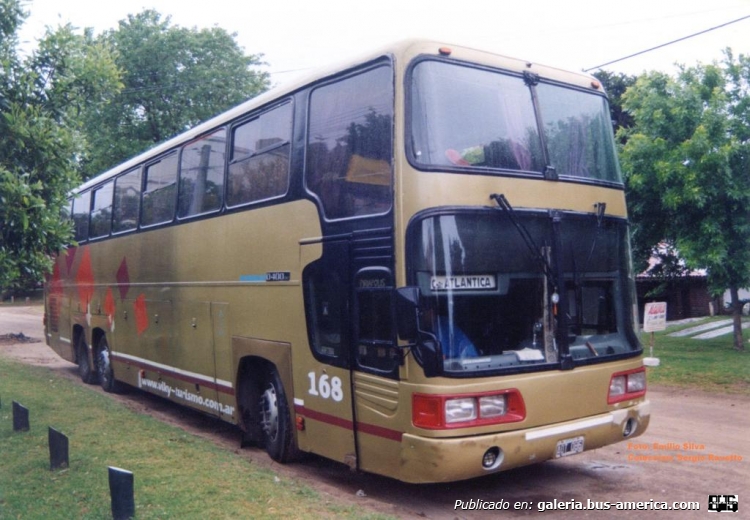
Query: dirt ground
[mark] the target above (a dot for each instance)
(698, 444)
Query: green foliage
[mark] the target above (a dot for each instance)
(174, 79)
(80, 104)
(40, 100)
(687, 167)
(615, 85)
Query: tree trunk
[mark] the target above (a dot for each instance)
(737, 318)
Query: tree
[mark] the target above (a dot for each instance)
(40, 98)
(687, 166)
(174, 79)
(615, 85)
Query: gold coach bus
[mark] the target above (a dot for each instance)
(416, 264)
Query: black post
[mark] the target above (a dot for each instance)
(58, 450)
(20, 418)
(121, 491)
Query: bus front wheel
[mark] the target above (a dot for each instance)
(275, 420)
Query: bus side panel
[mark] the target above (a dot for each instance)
(325, 403)
(379, 430)
(223, 360)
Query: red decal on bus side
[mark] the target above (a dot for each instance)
(123, 278)
(85, 278)
(70, 255)
(141, 315)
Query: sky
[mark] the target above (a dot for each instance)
(296, 36)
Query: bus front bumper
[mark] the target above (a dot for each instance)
(426, 459)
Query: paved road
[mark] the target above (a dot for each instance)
(692, 449)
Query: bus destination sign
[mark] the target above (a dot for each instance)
(476, 282)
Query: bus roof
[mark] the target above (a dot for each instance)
(404, 50)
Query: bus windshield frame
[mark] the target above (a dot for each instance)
(467, 118)
(563, 298)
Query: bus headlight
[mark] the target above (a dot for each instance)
(627, 385)
(433, 411)
(458, 410)
(492, 406)
(636, 382)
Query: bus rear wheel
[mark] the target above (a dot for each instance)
(275, 420)
(104, 367)
(85, 370)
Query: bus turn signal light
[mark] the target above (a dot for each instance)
(438, 412)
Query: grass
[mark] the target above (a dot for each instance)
(712, 365)
(177, 475)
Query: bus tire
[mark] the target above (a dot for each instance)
(275, 420)
(85, 370)
(104, 367)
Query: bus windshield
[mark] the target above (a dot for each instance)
(498, 308)
(469, 118)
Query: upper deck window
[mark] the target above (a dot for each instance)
(202, 175)
(349, 144)
(259, 167)
(81, 207)
(159, 199)
(101, 211)
(127, 201)
(473, 119)
(578, 132)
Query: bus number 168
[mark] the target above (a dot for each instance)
(325, 388)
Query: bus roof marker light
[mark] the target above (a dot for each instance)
(445, 51)
(595, 84)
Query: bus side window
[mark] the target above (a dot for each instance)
(81, 207)
(349, 148)
(101, 211)
(202, 175)
(159, 201)
(127, 201)
(259, 166)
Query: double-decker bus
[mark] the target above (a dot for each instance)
(416, 264)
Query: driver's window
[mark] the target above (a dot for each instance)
(375, 331)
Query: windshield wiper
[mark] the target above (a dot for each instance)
(553, 276)
(601, 207)
(536, 252)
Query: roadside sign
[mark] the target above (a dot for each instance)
(655, 316)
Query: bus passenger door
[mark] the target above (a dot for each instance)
(323, 400)
(376, 361)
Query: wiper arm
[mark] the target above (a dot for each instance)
(601, 207)
(536, 252)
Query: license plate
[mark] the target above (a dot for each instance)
(567, 447)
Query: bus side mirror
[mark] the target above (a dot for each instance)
(424, 344)
(426, 354)
(407, 313)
